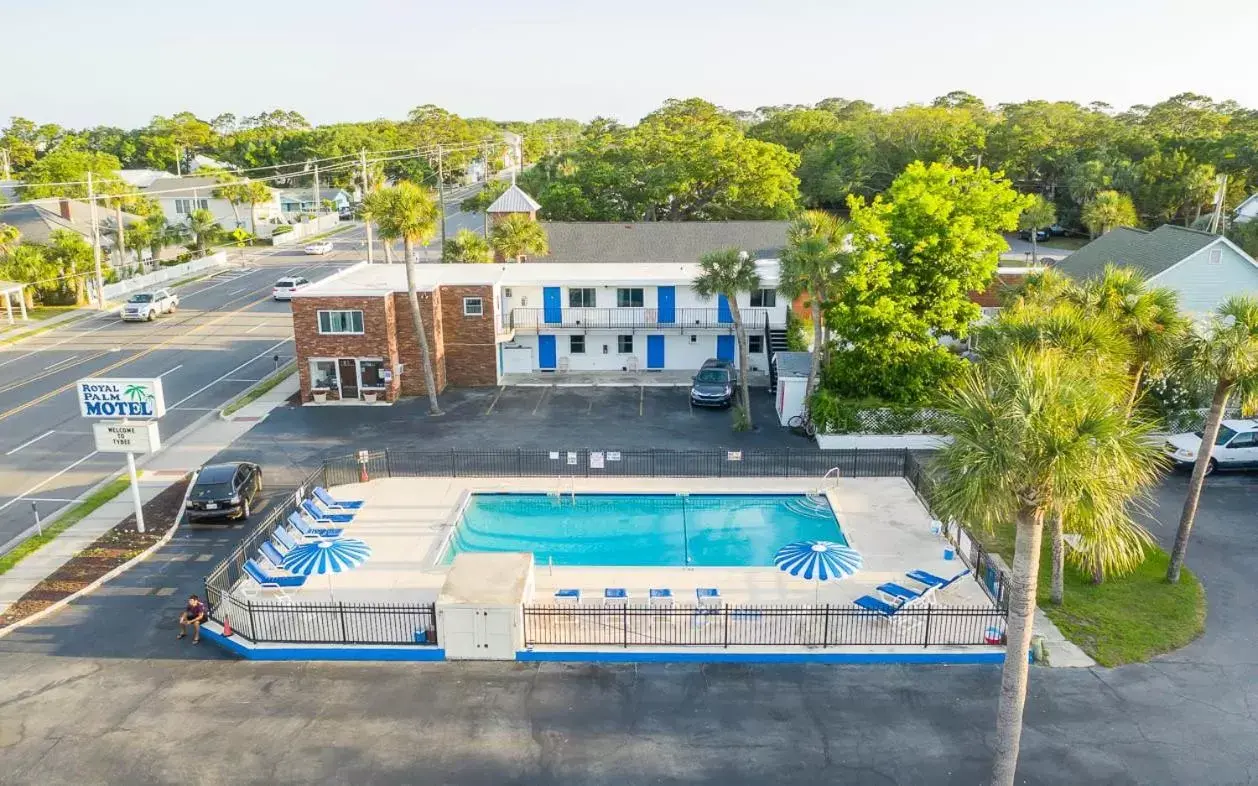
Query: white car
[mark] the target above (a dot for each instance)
(144, 306)
(1236, 446)
(285, 287)
(320, 248)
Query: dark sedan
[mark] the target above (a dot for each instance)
(224, 491)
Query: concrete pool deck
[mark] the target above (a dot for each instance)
(406, 521)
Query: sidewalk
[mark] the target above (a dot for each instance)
(191, 450)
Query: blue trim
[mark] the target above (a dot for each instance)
(638, 494)
(349, 652)
(547, 353)
(925, 657)
(666, 300)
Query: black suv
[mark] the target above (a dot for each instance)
(714, 385)
(224, 491)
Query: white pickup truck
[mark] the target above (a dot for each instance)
(145, 306)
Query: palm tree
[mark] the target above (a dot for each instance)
(9, 237)
(27, 263)
(728, 273)
(1039, 214)
(409, 212)
(1029, 429)
(810, 264)
(518, 236)
(1107, 210)
(1226, 354)
(467, 246)
(203, 227)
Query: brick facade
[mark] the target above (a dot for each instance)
(471, 344)
(408, 343)
(376, 341)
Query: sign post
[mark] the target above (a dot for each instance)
(125, 399)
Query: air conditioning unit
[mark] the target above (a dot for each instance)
(506, 291)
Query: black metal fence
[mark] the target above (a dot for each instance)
(989, 575)
(824, 625)
(329, 623)
(586, 463)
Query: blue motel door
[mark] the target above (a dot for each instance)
(552, 313)
(546, 352)
(725, 348)
(655, 352)
(667, 305)
(722, 311)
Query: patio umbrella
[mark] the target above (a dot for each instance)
(817, 559)
(326, 556)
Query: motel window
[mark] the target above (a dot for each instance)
(624, 344)
(369, 373)
(473, 307)
(576, 345)
(323, 373)
(186, 206)
(340, 322)
(755, 344)
(629, 298)
(764, 298)
(581, 297)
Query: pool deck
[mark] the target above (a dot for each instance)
(406, 521)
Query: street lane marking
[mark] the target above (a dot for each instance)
(238, 291)
(229, 373)
(29, 442)
(170, 371)
(47, 480)
(60, 362)
(255, 327)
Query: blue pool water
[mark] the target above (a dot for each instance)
(707, 530)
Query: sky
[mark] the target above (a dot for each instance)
(85, 62)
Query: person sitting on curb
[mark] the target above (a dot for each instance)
(194, 613)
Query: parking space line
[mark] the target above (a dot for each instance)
(255, 327)
(543, 398)
(494, 403)
(170, 371)
(589, 407)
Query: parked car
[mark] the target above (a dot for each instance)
(144, 306)
(319, 248)
(1236, 447)
(285, 287)
(714, 385)
(1040, 235)
(346, 214)
(224, 491)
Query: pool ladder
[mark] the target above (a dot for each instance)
(818, 497)
(572, 489)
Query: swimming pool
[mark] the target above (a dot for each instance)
(657, 530)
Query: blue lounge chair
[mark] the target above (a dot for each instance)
(870, 603)
(332, 503)
(894, 593)
(313, 533)
(324, 516)
(269, 580)
(568, 596)
(284, 538)
(660, 596)
(708, 596)
(272, 554)
(615, 596)
(931, 580)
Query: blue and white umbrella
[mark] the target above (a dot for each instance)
(326, 556)
(818, 559)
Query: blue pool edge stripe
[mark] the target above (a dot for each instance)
(348, 652)
(837, 658)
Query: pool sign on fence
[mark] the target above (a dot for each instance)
(121, 398)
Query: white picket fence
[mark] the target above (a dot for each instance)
(165, 274)
(317, 226)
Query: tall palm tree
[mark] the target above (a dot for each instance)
(811, 264)
(1226, 353)
(1029, 429)
(28, 263)
(728, 273)
(409, 212)
(518, 236)
(1109, 210)
(1040, 214)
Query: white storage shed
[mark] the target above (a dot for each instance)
(480, 609)
(792, 375)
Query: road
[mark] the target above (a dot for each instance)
(225, 336)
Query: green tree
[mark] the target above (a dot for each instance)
(518, 236)
(9, 237)
(467, 246)
(204, 229)
(409, 212)
(244, 192)
(62, 172)
(1245, 235)
(1225, 355)
(482, 199)
(810, 265)
(729, 273)
(1039, 214)
(1109, 210)
(797, 129)
(1028, 431)
(27, 263)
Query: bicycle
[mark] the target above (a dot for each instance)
(802, 424)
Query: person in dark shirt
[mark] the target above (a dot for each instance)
(193, 614)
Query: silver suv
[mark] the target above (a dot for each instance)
(144, 306)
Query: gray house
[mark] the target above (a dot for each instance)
(1204, 269)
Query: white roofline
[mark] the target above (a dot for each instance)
(1211, 244)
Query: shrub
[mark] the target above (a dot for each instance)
(282, 229)
(798, 332)
(833, 415)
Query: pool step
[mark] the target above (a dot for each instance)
(809, 507)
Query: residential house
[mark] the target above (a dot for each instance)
(179, 196)
(141, 178)
(507, 323)
(304, 200)
(1246, 211)
(38, 221)
(1205, 269)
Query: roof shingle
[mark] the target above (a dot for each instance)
(679, 242)
(1151, 252)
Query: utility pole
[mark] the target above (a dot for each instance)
(4, 163)
(371, 256)
(100, 277)
(178, 161)
(318, 202)
(441, 197)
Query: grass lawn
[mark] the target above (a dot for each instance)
(1066, 243)
(1124, 620)
(71, 517)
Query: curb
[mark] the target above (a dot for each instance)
(95, 585)
(283, 373)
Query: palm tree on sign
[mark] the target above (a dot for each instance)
(1108, 210)
(518, 236)
(1040, 214)
(727, 274)
(409, 212)
(1029, 430)
(1226, 354)
(811, 264)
